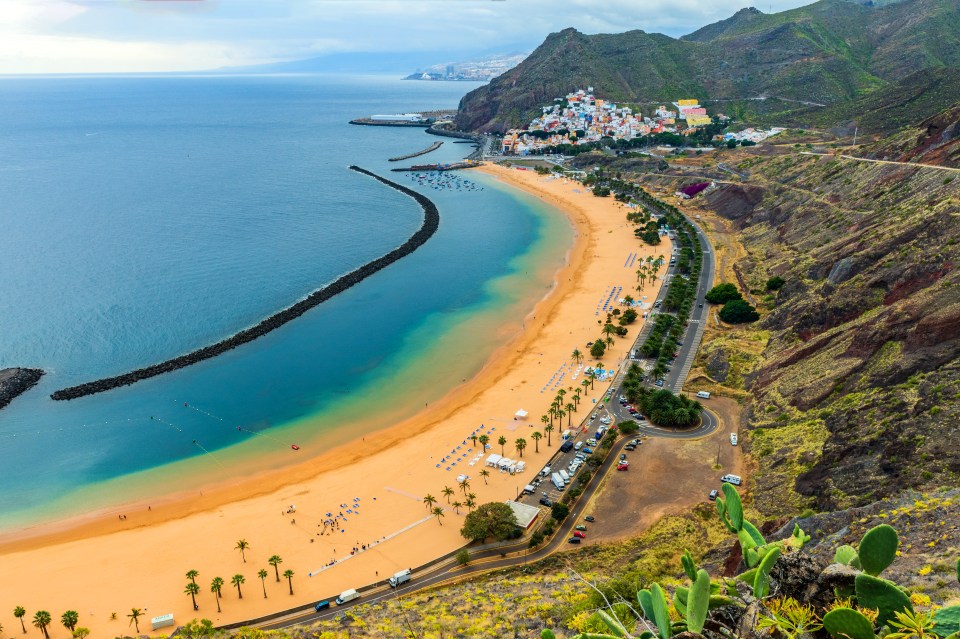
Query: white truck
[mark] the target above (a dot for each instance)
(347, 595)
(703, 394)
(557, 481)
(565, 475)
(398, 578)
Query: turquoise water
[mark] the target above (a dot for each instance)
(144, 217)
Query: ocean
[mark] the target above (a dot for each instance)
(144, 217)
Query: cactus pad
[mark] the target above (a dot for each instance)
(844, 622)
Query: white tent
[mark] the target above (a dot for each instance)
(521, 465)
(521, 414)
(493, 459)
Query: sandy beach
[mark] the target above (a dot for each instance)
(374, 487)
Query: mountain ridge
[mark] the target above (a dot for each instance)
(831, 51)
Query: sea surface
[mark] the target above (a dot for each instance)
(144, 217)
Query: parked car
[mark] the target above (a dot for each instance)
(713, 495)
(588, 450)
(321, 605)
(591, 442)
(580, 534)
(573, 540)
(733, 439)
(580, 527)
(630, 447)
(546, 502)
(623, 456)
(623, 467)
(589, 518)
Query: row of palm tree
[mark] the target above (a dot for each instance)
(216, 586)
(42, 620)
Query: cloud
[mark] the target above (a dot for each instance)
(177, 35)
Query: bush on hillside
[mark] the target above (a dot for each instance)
(598, 349)
(738, 312)
(775, 283)
(723, 293)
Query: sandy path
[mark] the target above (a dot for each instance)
(110, 565)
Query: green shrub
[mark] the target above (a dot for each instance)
(723, 293)
(738, 312)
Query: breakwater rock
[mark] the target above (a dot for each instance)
(431, 222)
(432, 147)
(14, 381)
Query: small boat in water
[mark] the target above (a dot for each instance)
(294, 446)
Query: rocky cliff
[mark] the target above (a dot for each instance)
(856, 395)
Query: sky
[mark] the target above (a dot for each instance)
(108, 36)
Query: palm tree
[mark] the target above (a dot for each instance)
(576, 355)
(457, 506)
(560, 414)
(241, 546)
(484, 473)
(536, 436)
(193, 590)
(429, 501)
(592, 376)
(438, 513)
(474, 439)
(19, 613)
(585, 383)
(41, 620)
(216, 586)
(471, 502)
(448, 492)
(238, 579)
(484, 440)
(576, 396)
(464, 485)
(192, 575)
(289, 575)
(548, 429)
(520, 444)
(135, 617)
(503, 442)
(275, 561)
(69, 619)
(262, 573)
(544, 420)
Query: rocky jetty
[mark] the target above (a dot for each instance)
(431, 222)
(14, 381)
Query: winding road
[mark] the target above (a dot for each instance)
(493, 556)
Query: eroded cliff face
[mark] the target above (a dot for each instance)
(858, 393)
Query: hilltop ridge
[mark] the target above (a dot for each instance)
(830, 52)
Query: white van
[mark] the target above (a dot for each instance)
(703, 394)
(347, 595)
(733, 439)
(565, 475)
(398, 578)
(578, 446)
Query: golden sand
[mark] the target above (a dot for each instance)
(107, 565)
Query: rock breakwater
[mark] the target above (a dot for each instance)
(14, 381)
(431, 222)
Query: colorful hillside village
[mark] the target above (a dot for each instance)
(581, 118)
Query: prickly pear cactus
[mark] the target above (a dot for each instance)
(846, 623)
(878, 549)
(947, 621)
(881, 595)
(845, 555)
(698, 601)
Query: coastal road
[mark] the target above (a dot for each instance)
(490, 558)
(894, 162)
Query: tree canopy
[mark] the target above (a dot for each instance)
(490, 520)
(723, 293)
(598, 348)
(738, 312)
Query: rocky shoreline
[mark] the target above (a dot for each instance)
(431, 222)
(14, 381)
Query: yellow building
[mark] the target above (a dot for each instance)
(688, 103)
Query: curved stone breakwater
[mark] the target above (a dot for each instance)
(432, 147)
(431, 222)
(14, 381)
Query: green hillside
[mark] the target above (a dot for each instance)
(829, 52)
